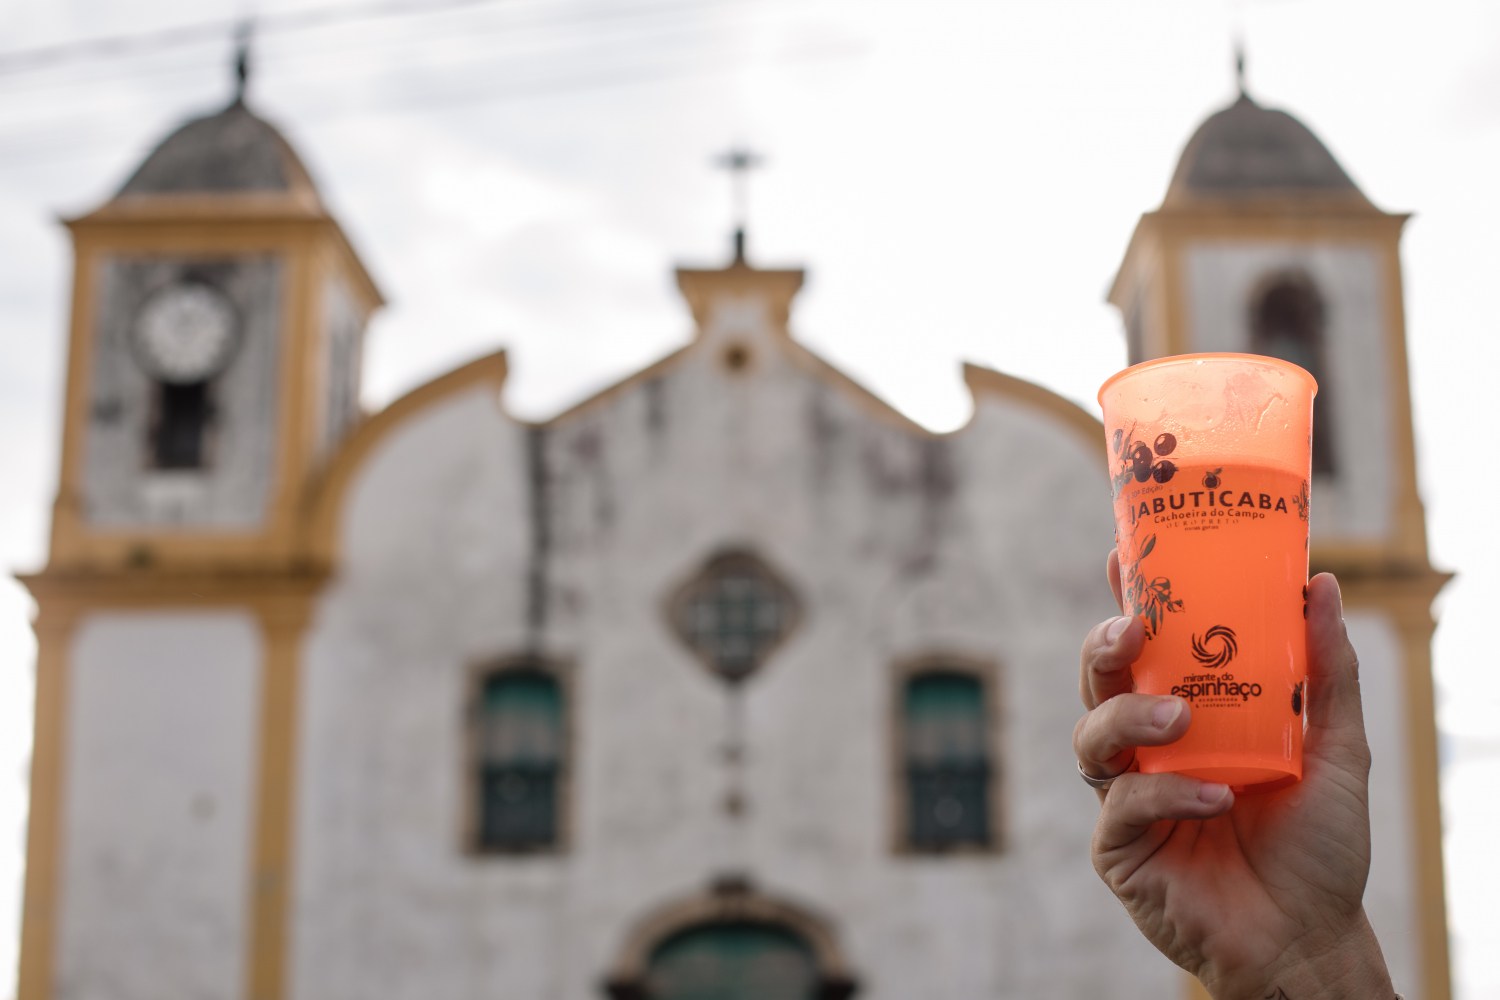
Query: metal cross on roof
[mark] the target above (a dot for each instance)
(739, 161)
(242, 33)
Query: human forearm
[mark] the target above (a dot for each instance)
(1322, 966)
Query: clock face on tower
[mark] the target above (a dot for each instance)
(186, 333)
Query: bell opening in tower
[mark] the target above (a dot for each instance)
(179, 435)
(1287, 321)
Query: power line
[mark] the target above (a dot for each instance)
(610, 64)
(623, 14)
(626, 75)
(628, 24)
(118, 46)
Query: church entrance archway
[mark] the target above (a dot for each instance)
(731, 943)
(733, 961)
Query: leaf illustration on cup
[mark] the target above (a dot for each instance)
(1303, 501)
(1151, 599)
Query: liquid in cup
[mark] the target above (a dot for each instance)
(1210, 461)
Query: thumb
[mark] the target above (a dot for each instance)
(1335, 717)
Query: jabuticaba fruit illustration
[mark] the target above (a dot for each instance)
(1140, 463)
(1304, 603)
(1297, 698)
(1213, 659)
(1136, 460)
(1211, 478)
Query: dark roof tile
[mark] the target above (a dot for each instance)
(1247, 150)
(227, 152)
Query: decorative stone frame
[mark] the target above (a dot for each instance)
(731, 899)
(479, 673)
(988, 673)
(729, 558)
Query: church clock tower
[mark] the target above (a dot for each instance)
(1264, 245)
(218, 314)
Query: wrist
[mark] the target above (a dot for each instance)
(1348, 966)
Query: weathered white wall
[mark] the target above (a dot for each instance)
(157, 785)
(1390, 895)
(989, 542)
(1357, 503)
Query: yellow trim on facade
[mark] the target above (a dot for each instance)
(283, 618)
(987, 381)
(311, 247)
(324, 501)
(702, 287)
(54, 635)
(1407, 602)
(282, 602)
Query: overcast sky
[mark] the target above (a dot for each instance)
(959, 179)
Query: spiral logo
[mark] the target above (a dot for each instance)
(1211, 658)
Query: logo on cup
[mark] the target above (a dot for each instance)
(1214, 659)
(1297, 699)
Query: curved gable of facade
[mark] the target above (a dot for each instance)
(741, 314)
(328, 495)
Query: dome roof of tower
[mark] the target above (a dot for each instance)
(232, 151)
(1246, 151)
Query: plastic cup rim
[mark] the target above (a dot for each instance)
(1182, 359)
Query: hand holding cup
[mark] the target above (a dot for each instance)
(1258, 895)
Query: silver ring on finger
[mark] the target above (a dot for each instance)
(1102, 784)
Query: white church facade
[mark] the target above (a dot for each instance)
(730, 682)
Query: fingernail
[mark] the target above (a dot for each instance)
(1115, 628)
(1211, 791)
(1166, 712)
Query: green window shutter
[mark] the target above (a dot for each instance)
(946, 742)
(520, 758)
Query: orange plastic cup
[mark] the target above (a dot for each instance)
(1210, 458)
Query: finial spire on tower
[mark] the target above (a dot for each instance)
(739, 161)
(1239, 66)
(241, 60)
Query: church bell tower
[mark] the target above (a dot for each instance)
(218, 313)
(1264, 245)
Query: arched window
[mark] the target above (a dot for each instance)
(946, 756)
(739, 960)
(520, 744)
(1287, 321)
